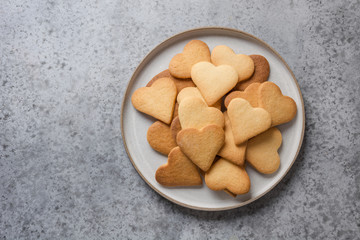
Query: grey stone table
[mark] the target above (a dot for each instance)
(64, 173)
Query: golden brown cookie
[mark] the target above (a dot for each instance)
(224, 175)
(262, 151)
(194, 92)
(175, 127)
(250, 94)
(261, 72)
(243, 64)
(201, 146)
(158, 100)
(213, 82)
(178, 171)
(246, 121)
(180, 83)
(230, 151)
(160, 138)
(195, 51)
(281, 108)
(194, 113)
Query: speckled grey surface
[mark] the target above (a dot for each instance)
(64, 173)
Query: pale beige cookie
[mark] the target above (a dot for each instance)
(157, 101)
(261, 72)
(231, 151)
(194, 92)
(180, 83)
(281, 108)
(246, 121)
(213, 82)
(242, 63)
(195, 51)
(224, 175)
(194, 113)
(175, 127)
(250, 94)
(201, 146)
(262, 151)
(160, 138)
(178, 171)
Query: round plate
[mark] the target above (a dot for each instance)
(134, 125)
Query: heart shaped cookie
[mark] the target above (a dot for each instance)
(246, 121)
(262, 152)
(250, 94)
(158, 100)
(201, 146)
(281, 108)
(261, 72)
(194, 92)
(160, 138)
(242, 63)
(194, 113)
(231, 151)
(213, 82)
(224, 175)
(195, 51)
(180, 83)
(178, 171)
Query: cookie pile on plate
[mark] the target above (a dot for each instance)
(215, 111)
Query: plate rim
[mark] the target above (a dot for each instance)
(154, 52)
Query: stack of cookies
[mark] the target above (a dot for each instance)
(216, 112)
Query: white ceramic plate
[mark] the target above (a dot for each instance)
(134, 124)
